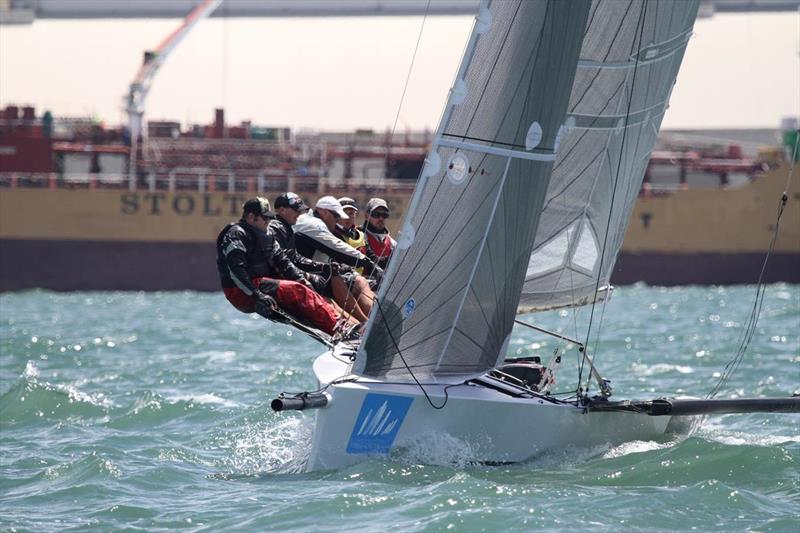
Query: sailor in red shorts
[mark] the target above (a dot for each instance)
(250, 271)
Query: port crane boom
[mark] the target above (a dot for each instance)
(153, 59)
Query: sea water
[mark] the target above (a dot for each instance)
(151, 410)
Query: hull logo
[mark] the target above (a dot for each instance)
(378, 423)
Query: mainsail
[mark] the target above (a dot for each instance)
(630, 58)
(534, 76)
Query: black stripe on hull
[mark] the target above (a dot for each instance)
(69, 265)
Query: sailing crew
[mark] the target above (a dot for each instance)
(346, 228)
(249, 263)
(316, 240)
(330, 279)
(379, 243)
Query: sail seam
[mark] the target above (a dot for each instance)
(627, 65)
(475, 266)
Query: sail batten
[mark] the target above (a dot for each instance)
(505, 152)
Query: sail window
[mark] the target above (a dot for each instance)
(552, 255)
(406, 237)
(457, 169)
(586, 252)
(484, 21)
(534, 136)
(459, 92)
(563, 130)
(432, 164)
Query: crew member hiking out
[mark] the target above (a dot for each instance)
(248, 262)
(330, 279)
(316, 241)
(380, 244)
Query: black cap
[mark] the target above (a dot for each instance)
(258, 206)
(290, 199)
(348, 202)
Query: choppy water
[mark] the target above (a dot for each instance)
(124, 410)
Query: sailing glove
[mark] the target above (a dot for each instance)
(339, 268)
(265, 304)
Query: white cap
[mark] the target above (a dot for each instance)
(332, 204)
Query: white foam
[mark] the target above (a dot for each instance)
(660, 368)
(97, 399)
(204, 399)
(436, 448)
(713, 431)
(282, 448)
(637, 446)
(31, 373)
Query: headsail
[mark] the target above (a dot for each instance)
(448, 301)
(629, 61)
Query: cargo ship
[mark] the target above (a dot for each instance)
(75, 214)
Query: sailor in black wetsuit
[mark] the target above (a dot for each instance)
(250, 265)
(329, 278)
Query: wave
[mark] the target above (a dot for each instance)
(32, 400)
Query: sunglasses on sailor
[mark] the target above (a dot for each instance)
(379, 214)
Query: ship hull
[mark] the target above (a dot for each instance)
(368, 419)
(105, 239)
(74, 264)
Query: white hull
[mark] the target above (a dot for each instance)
(369, 418)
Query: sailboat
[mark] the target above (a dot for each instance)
(521, 206)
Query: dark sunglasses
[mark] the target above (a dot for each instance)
(379, 214)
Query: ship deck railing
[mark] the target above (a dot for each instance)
(202, 181)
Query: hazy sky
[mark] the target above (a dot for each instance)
(740, 70)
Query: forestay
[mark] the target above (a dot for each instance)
(629, 61)
(448, 301)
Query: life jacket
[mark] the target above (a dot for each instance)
(355, 238)
(381, 244)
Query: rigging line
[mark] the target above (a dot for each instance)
(400, 353)
(625, 195)
(732, 366)
(405, 86)
(641, 24)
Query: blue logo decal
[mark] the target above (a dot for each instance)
(408, 308)
(377, 423)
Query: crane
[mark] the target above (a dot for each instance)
(153, 59)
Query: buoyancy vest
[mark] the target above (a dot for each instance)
(380, 243)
